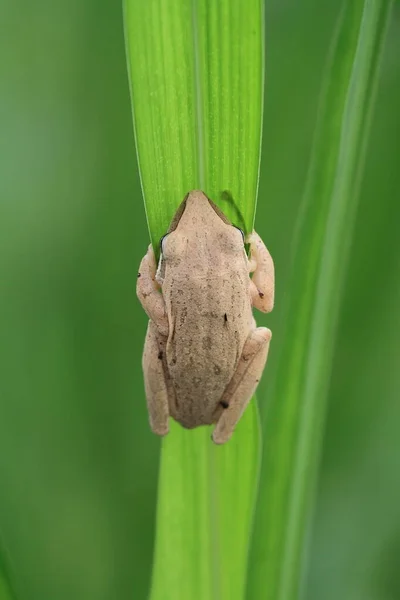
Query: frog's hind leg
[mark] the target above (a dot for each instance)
(243, 383)
(155, 381)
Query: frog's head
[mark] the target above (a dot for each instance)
(200, 227)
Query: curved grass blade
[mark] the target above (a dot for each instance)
(294, 421)
(5, 593)
(196, 76)
(6, 590)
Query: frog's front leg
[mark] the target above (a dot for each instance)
(148, 292)
(155, 380)
(243, 383)
(263, 281)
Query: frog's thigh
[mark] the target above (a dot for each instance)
(243, 383)
(148, 292)
(155, 381)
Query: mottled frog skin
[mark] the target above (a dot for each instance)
(203, 354)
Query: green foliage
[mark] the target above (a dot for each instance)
(196, 78)
(5, 588)
(295, 418)
(78, 464)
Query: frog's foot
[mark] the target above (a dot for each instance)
(262, 283)
(155, 381)
(243, 383)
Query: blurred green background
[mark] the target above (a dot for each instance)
(78, 464)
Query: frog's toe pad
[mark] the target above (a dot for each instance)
(161, 430)
(220, 438)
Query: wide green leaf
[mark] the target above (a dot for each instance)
(196, 76)
(295, 417)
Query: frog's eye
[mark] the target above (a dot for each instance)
(241, 231)
(162, 242)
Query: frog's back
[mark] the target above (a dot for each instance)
(212, 318)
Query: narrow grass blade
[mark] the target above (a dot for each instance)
(294, 421)
(196, 76)
(6, 591)
(229, 54)
(160, 56)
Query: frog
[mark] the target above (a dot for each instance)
(204, 354)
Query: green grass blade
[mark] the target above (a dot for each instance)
(294, 421)
(196, 75)
(229, 57)
(6, 591)
(205, 507)
(161, 70)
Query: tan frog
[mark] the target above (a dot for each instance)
(203, 354)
